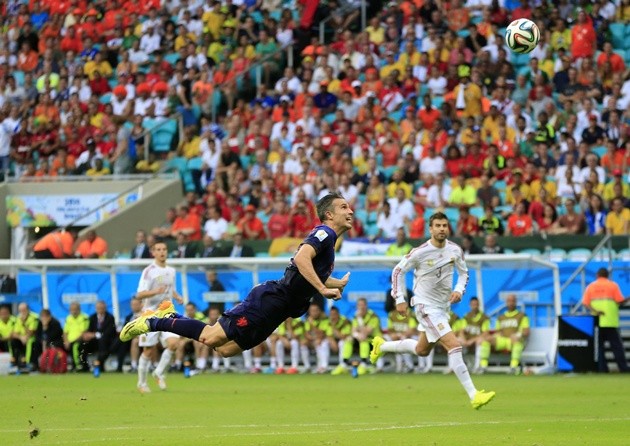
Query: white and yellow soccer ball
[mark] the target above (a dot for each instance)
(522, 36)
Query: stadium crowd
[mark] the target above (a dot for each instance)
(83, 343)
(424, 108)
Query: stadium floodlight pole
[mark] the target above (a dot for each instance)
(363, 14)
(184, 278)
(479, 279)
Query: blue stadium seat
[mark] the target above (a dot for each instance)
(371, 230)
(172, 58)
(263, 216)
(452, 214)
(532, 251)
(578, 255)
(599, 151)
(557, 255)
(105, 99)
(19, 77)
(361, 199)
(627, 54)
(477, 211)
(618, 31)
(361, 214)
(624, 254)
(162, 137)
(245, 161)
(500, 184)
(520, 60)
(194, 163)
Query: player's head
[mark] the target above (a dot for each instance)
(101, 307)
(335, 211)
(474, 303)
(75, 308)
(362, 307)
(438, 226)
(191, 310)
(314, 311)
(213, 314)
(159, 251)
(334, 314)
(5, 313)
(602, 272)
(510, 302)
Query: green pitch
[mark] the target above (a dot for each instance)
(314, 410)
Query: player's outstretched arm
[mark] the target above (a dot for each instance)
(304, 261)
(178, 297)
(340, 284)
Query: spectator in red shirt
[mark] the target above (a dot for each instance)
(301, 221)
(466, 224)
(279, 222)
(250, 225)
(519, 223)
(187, 223)
(583, 37)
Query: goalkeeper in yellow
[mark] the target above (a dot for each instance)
(511, 335)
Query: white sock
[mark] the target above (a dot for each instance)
(408, 361)
(200, 363)
(165, 361)
(134, 364)
(247, 359)
(399, 361)
(340, 353)
(457, 365)
(403, 346)
(258, 362)
(305, 352)
(178, 363)
(216, 360)
(143, 370)
(280, 354)
(324, 354)
(477, 356)
(428, 360)
(227, 363)
(295, 353)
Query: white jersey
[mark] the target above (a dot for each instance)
(153, 277)
(433, 274)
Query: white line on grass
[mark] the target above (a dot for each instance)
(300, 432)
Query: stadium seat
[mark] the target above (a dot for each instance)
(452, 214)
(557, 255)
(361, 198)
(262, 254)
(263, 216)
(162, 137)
(105, 99)
(599, 151)
(19, 77)
(172, 58)
(476, 211)
(532, 251)
(371, 229)
(624, 254)
(618, 31)
(361, 214)
(578, 255)
(508, 251)
(245, 161)
(540, 347)
(500, 185)
(605, 254)
(388, 172)
(195, 163)
(627, 55)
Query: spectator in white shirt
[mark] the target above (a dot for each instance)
(216, 226)
(402, 206)
(591, 166)
(432, 165)
(349, 191)
(439, 193)
(150, 41)
(387, 222)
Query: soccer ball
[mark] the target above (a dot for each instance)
(522, 36)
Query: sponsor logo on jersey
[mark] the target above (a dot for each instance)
(430, 262)
(440, 326)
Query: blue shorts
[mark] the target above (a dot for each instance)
(263, 310)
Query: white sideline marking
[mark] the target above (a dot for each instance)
(300, 432)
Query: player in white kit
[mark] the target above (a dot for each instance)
(157, 284)
(433, 263)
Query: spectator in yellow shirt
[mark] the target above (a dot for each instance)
(98, 64)
(463, 194)
(390, 65)
(518, 183)
(190, 145)
(99, 169)
(618, 220)
(609, 189)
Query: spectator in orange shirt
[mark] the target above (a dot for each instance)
(519, 223)
(250, 225)
(428, 114)
(27, 59)
(616, 61)
(93, 247)
(55, 245)
(187, 223)
(583, 37)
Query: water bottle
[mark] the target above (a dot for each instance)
(355, 369)
(187, 369)
(97, 369)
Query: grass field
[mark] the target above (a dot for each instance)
(315, 410)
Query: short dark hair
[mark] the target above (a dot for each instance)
(602, 272)
(474, 298)
(437, 216)
(325, 204)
